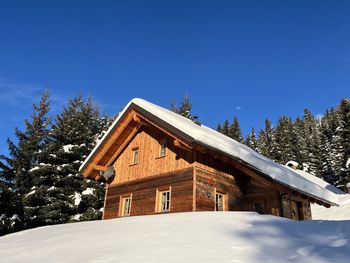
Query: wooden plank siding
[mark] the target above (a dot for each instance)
(148, 140)
(144, 193)
(208, 183)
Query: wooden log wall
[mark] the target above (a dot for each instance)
(305, 208)
(260, 199)
(148, 140)
(207, 183)
(144, 193)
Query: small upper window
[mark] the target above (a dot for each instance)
(162, 149)
(135, 156)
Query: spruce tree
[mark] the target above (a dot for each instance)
(63, 194)
(266, 143)
(285, 141)
(10, 202)
(327, 131)
(342, 142)
(251, 140)
(185, 108)
(235, 130)
(26, 154)
(225, 128)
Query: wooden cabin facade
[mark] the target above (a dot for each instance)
(157, 170)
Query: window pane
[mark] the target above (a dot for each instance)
(136, 156)
(164, 201)
(162, 150)
(219, 202)
(126, 206)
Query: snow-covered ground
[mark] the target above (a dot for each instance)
(184, 237)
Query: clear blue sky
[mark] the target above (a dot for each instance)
(253, 59)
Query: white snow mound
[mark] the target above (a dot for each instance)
(183, 237)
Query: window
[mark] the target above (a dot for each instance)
(162, 149)
(135, 156)
(219, 202)
(125, 205)
(163, 201)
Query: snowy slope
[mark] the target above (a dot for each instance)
(333, 213)
(183, 237)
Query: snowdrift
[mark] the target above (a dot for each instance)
(183, 237)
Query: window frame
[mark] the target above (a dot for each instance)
(159, 200)
(135, 155)
(163, 149)
(223, 198)
(122, 203)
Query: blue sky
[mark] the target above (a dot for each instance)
(252, 59)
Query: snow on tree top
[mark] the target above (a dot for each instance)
(214, 140)
(68, 148)
(88, 191)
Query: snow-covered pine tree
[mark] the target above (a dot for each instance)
(327, 130)
(10, 202)
(235, 130)
(62, 193)
(311, 138)
(301, 154)
(342, 142)
(185, 108)
(266, 143)
(285, 141)
(251, 140)
(26, 153)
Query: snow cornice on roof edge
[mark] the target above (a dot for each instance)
(207, 137)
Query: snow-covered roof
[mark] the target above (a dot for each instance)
(212, 139)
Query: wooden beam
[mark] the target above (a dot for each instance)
(98, 177)
(123, 145)
(147, 121)
(107, 144)
(326, 205)
(312, 200)
(178, 144)
(100, 168)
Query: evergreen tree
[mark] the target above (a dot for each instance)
(266, 143)
(327, 131)
(251, 140)
(285, 141)
(342, 142)
(184, 109)
(235, 130)
(219, 128)
(25, 155)
(311, 139)
(61, 193)
(10, 202)
(225, 128)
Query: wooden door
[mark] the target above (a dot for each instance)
(294, 210)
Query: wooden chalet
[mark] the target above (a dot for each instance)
(156, 161)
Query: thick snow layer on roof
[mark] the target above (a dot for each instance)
(319, 181)
(219, 142)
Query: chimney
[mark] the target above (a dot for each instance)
(292, 164)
